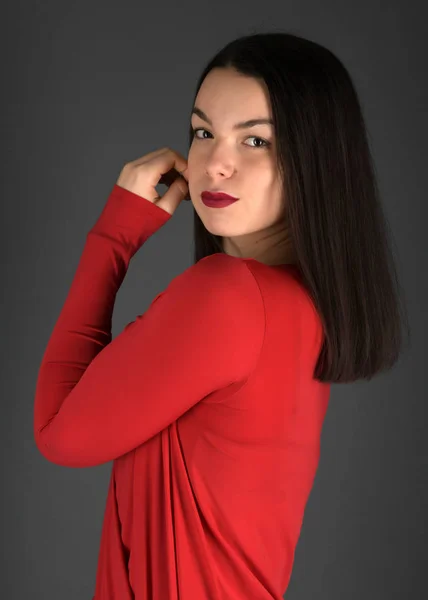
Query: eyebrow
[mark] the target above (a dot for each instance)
(243, 125)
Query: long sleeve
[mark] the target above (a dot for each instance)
(97, 398)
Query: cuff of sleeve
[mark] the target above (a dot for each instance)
(129, 217)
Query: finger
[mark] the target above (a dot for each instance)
(148, 156)
(185, 174)
(173, 160)
(169, 177)
(174, 195)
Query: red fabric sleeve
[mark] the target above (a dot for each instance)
(98, 398)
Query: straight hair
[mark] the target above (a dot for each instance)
(341, 236)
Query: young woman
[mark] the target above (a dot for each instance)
(211, 403)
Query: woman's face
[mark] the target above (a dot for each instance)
(240, 162)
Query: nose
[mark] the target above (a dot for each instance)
(219, 167)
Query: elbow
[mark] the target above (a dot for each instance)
(60, 452)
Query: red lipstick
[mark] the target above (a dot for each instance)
(217, 200)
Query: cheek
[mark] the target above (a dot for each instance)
(273, 202)
(191, 162)
(195, 169)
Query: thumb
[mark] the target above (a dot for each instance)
(174, 195)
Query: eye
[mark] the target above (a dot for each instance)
(265, 143)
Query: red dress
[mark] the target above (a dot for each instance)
(206, 405)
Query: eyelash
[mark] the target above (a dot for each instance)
(265, 142)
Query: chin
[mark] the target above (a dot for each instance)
(213, 227)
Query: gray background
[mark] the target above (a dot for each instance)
(88, 87)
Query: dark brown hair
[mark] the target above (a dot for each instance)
(340, 235)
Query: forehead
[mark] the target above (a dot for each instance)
(224, 91)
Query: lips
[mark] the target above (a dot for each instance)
(217, 199)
